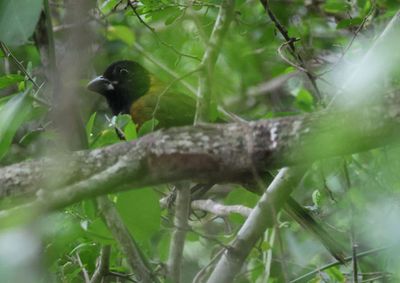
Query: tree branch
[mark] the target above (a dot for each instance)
(204, 93)
(220, 209)
(102, 266)
(259, 220)
(128, 245)
(181, 226)
(204, 153)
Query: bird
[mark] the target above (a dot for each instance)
(130, 89)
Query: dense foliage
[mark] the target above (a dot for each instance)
(51, 49)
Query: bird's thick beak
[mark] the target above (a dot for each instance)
(100, 85)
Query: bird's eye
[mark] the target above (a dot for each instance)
(123, 72)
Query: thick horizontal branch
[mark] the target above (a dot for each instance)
(204, 153)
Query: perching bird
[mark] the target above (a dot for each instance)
(130, 89)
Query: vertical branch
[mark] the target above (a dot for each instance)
(270, 238)
(261, 217)
(103, 265)
(137, 262)
(179, 234)
(352, 228)
(50, 36)
(204, 93)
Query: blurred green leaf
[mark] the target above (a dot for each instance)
(346, 23)
(106, 137)
(336, 274)
(108, 5)
(304, 100)
(141, 213)
(122, 33)
(30, 137)
(148, 127)
(173, 15)
(316, 197)
(336, 6)
(89, 127)
(8, 80)
(12, 115)
(130, 131)
(18, 20)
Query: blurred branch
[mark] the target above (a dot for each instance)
(84, 271)
(204, 94)
(204, 153)
(290, 41)
(220, 209)
(102, 266)
(261, 218)
(177, 242)
(311, 274)
(266, 87)
(51, 44)
(354, 244)
(135, 258)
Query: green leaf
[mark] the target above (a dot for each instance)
(30, 137)
(173, 15)
(130, 131)
(316, 197)
(107, 6)
(12, 115)
(10, 80)
(18, 20)
(346, 23)
(106, 137)
(148, 127)
(122, 33)
(89, 126)
(336, 6)
(304, 100)
(141, 213)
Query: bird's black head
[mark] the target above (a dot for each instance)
(122, 83)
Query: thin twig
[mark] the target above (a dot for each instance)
(84, 271)
(346, 49)
(202, 271)
(19, 65)
(307, 276)
(352, 228)
(283, 57)
(103, 265)
(283, 31)
(153, 31)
